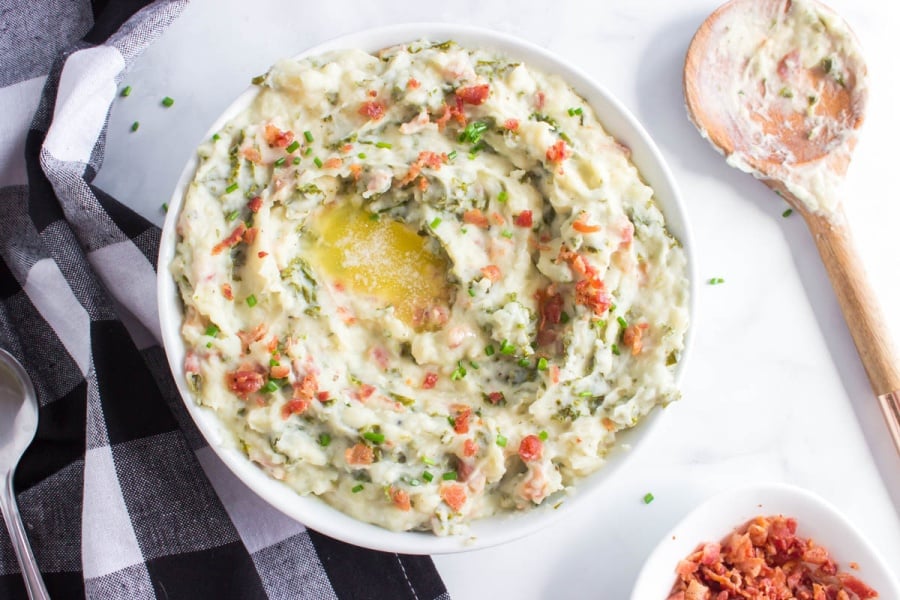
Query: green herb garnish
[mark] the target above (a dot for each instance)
(308, 136)
(251, 300)
(231, 188)
(357, 488)
(450, 476)
(374, 437)
(324, 439)
(126, 91)
(212, 330)
(135, 126)
(648, 498)
(167, 102)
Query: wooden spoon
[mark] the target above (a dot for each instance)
(779, 88)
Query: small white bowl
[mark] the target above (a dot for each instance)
(716, 518)
(486, 532)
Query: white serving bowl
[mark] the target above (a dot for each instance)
(716, 518)
(310, 510)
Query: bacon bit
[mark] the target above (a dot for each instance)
(627, 234)
(277, 138)
(554, 373)
(227, 291)
(372, 110)
(244, 382)
(307, 387)
(279, 371)
(454, 494)
(255, 204)
(558, 152)
(592, 294)
(497, 218)
(414, 170)
(530, 448)
(470, 448)
(247, 337)
(474, 94)
(511, 124)
(429, 381)
(262, 254)
(539, 99)
(631, 337)
(322, 396)
(413, 84)
(476, 217)
(294, 406)
(400, 499)
(551, 305)
(372, 94)
(423, 183)
(788, 64)
(608, 424)
(356, 171)
(496, 397)
(252, 154)
(364, 392)
(454, 112)
(191, 363)
(346, 316)
(346, 148)
(581, 227)
(524, 219)
(334, 162)
(431, 317)
(492, 272)
(381, 356)
(250, 235)
(360, 454)
(432, 160)
(272, 346)
(461, 420)
(231, 240)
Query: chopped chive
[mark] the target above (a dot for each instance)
(474, 365)
(212, 330)
(501, 440)
(273, 362)
(524, 362)
(543, 435)
(165, 207)
(542, 364)
(489, 350)
(451, 155)
(209, 344)
(507, 348)
(787, 213)
(459, 372)
(324, 439)
(308, 136)
(232, 215)
(428, 461)
(135, 126)
(318, 162)
(271, 386)
(449, 476)
(575, 111)
(785, 93)
(612, 308)
(126, 91)
(308, 151)
(216, 137)
(280, 161)
(451, 420)
(434, 224)
(361, 156)
(564, 317)
(413, 482)
(622, 322)
(293, 147)
(231, 188)
(507, 233)
(387, 145)
(251, 300)
(471, 292)
(600, 323)
(374, 437)
(167, 102)
(615, 349)
(503, 196)
(648, 498)
(373, 216)
(296, 160)
(716, 281)
(584, 394)
(357, 488)
(427, 476)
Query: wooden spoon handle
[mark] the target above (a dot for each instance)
(861, 312)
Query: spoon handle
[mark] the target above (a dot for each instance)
(861, 311)
(34, 583)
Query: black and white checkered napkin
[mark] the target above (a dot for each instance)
(121, 496)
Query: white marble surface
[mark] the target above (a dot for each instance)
(773, 390)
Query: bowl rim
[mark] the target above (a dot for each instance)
(714, 518)
(311, 511)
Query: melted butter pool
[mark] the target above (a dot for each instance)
(383, 259)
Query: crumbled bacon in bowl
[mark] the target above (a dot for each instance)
(765, 559)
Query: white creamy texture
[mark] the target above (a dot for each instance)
(765, 64)
(566, 311)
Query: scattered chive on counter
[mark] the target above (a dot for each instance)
(167, 102)
(126, 91)
(787, 213)
(715, 281)
(648, 498)
(135, 126)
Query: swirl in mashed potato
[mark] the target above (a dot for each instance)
(425, 285)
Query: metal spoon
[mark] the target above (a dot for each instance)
(18, 424)
(779, 88)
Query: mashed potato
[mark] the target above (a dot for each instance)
(425, 285)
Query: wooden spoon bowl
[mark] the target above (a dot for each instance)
(779, 88)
